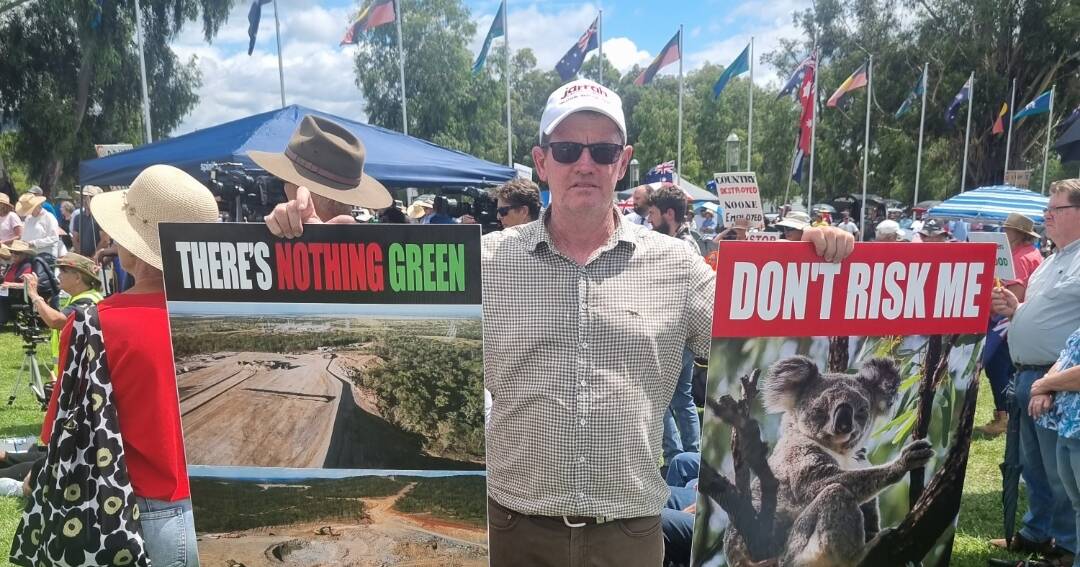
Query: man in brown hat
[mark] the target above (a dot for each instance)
(995, 356)
(323, 170)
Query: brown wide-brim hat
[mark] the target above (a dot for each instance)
(161, 193)
(5, 202)
(27, 203)
(329, 160)
(1020, 223)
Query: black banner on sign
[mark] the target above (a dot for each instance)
(359, 264)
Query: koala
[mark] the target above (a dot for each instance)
(827, 495)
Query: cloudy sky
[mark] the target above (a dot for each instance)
(319, 73)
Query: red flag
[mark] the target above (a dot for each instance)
(999, 124)
(806, 99)
(668, 55)
(374, 14)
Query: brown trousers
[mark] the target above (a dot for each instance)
(517, 540)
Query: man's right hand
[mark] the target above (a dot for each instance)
(1003, 302)
(288, 219)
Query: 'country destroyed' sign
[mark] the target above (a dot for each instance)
(739, 198)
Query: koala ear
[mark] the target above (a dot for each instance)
(882, 379)
(784, 381)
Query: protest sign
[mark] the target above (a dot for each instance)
(739, 198)
(868, 426)
(331, 387)
(757, 236)
(1003, 266)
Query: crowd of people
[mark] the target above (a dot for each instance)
(592, 428)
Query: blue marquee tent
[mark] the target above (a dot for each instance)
(393, 158)
(992, 204)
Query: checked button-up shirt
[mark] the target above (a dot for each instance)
(581, 363)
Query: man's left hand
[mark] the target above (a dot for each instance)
(831, 243)
(31, 281)
(1040, 404)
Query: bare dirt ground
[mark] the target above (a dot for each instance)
(298, 411)
(386, 538)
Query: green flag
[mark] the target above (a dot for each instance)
(495, 31)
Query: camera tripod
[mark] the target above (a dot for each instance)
(31, 372)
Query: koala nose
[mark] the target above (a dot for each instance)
(843, 419)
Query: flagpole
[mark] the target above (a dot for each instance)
(922, 122)
(813, 133)
(787, 190)
(280, 70)
(401, 70)
(967, 133)
(1008, 137)
(1049, 127)
(509, 131)
(678, 155)
(600, 46)
(142, 70)
(866, 143)
(750, 120)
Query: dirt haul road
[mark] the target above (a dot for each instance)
(280, 410)
(387, 537)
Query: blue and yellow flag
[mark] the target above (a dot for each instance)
(495, 31)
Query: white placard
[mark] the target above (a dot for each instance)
(1004, 269)
(763, 236)
(523, 171)
(110, 149)
(740, 198)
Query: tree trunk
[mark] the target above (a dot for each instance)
(54, 168)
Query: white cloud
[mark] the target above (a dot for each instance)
(623, 53)
(318, 73)
(767, 22)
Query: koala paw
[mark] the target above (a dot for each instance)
(915, 455)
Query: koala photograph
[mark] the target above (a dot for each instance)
(839, 444)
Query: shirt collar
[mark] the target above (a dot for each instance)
(537, 232)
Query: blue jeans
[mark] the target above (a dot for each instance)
(1050, 514)
(678, 528)
(1068, 464)
(1000, 371)
(682, 429)
(683, 468)
(169, 531)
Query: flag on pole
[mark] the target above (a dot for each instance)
(960, 98)
(373, 14)
(570, 63)
(1037, 106)
(796, 79)
(740, 65)
(254, 15)
(1068, 121)
(999, 124)
(668, 55)
(496, 30)
(661, 172)
(856, 81)
(806, 121)
(915, 93)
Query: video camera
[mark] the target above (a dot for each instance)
(242, 196)
(475, 202)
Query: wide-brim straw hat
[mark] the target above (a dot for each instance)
(329, 160)
(27, 203)
(161, 193)
(1020, 223)
(5, 253)
(417, 209)
(5, 201)
(20, 246)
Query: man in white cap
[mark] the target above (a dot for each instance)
(578, 381)
(888, 231)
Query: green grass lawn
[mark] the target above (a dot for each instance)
(980, 514)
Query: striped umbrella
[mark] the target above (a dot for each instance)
(992, 205)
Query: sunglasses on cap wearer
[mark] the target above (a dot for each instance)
(503, 211)
(570, 152)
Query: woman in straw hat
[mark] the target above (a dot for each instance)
(10, 224)
(24, 261)
(41, 231)
(135, 331)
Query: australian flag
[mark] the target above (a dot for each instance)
(662, 172)
(797, 76)
(961, 97)
(570, 64)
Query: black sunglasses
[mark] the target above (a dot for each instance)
(570, 152)
(503, 211)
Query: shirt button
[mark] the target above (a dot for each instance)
(583, 421)
(581, 460)
(584, 346)
(584, 383)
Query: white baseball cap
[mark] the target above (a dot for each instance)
(888, 227)
(577, 96)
